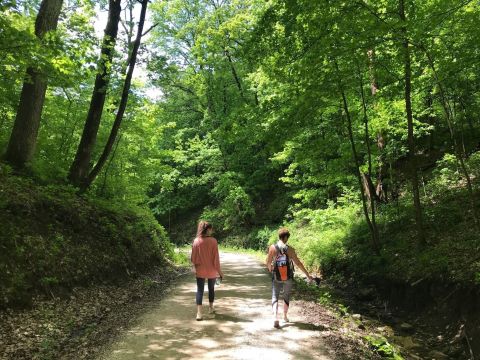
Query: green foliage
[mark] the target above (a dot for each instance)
(335, 240)
(180, 257)
(259, 83)
(189, 170)
(235, 207)
(382, 347)
(477, 278)
(446, 175)
(259, 239)
(315, 293)
(319, 235)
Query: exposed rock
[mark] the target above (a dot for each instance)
(386, 331)
(357, 317)
(414, 357)
(405, 341)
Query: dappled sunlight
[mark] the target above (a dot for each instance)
(242, 327)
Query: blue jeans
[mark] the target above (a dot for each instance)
(201, 288)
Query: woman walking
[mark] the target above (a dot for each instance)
(206, 261)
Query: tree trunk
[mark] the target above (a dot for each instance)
(373, 195)
(459, 152)
(471, 128)
(373, 79)
(123, 102)
(81, 165)
(373, 230)
(107, 168)
(23, 138)
(234, 73)
(411, 140)
(67, 119)
(369, 189)
(380, 191)
(225, 100)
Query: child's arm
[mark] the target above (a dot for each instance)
(271, 254)
(293, 255)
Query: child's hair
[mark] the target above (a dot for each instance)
(283, 233)
(203, 227)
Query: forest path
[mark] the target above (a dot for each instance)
(241, 329)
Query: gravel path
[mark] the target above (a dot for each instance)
(241, 329)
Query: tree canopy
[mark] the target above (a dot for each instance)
(253, 112)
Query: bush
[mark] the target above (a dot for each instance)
(383, 348)
(319, 236)
(259, 239)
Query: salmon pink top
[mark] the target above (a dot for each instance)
(205, 257)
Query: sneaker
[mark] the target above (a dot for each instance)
(285, 319)
(211, 310)
(199, 317)
(276, 324)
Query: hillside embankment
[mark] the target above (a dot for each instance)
(52, 240)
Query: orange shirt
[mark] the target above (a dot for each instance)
(205, 257)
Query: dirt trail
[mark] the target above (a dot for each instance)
(241, 329)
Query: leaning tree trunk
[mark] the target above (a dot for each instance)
(23, 139)
(123, 102)
(371, 226)
(234, 73)
(81, 165)
(368, 180)
(411, 140)
(380, 190)
(459, 152)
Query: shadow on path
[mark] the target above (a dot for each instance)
(241, 329)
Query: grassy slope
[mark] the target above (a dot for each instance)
(336, 240)
(52, 239)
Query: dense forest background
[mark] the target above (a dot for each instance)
(355, 123)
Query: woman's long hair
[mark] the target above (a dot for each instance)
(203, 227)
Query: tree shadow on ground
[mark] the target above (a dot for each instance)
(304, 326)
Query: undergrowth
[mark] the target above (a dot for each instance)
(51, 239)
(336, 238)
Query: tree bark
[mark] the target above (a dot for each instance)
(81, 165)
(411, 140)
(65, 131)
(110, 161)
(123, 102)
(234, 73)
(23, 139)
(373, 79)
(373, 230)
(373, 195)
(459, 152)
(380, 191)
